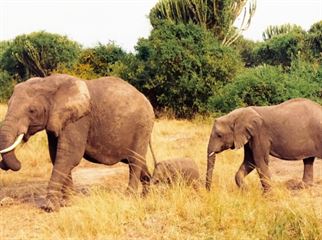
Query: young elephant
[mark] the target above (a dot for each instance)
(172, 170)
(290, 131)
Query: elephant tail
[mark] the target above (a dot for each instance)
(153, 155)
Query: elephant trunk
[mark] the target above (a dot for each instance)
(8, 136)
(210, 167)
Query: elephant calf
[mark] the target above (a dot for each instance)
(291, 131)
(172, 170)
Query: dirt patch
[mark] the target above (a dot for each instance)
(290, 173)
(95, 175)
(34, 192)
(287, 173)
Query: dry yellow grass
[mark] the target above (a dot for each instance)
(178, 212)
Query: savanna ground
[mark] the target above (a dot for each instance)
(100, 209)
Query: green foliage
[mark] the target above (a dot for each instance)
(38, 54)
(267, 85)
(6, 85)
(180, 66)
(3, 47)
(280, 49)
(102, 58)
(245, 48)
(272, 31)
(215, 16)
(314, 41)
(262, 85)
(304, 79)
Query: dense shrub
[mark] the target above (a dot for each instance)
(275, 30)
(263, 85)
(304, 79)
(180, 66)
(245, 48)
(38, 54)
(102, 58)
(280, 49)
(6, 85)
(314, 41)
(267, 85)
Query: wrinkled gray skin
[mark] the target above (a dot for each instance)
(290, 131)
(172, 170)
(104, 120)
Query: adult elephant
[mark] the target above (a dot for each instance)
(105, 120)
(290, 131)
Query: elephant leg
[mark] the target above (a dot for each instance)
(308, 170)
(264, 174)
(70, 150)
(52, 146)
(135, 169)
(261, 159)
(246, 167)
(68, 186)
(145, 180)
(137, 165)
(67, 190)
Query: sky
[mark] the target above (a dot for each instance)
(125, 21)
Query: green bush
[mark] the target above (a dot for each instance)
(6, 86)
(245, 48)
(280, 49)
(269, 85)
(180, 66)
(314, 41)
(263, 85)
(38, 54)
(102, 58)
(304, 79)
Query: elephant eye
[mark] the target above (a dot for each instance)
(32, 110)
(219, 135)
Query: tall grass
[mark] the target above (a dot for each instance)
(178, 212)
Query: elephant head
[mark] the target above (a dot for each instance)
(41, 103)
(231, 131)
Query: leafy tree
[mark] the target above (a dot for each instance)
(263, 85)
(304, 79)
(38, 54)
(218, 16)
(245, 48)
(272, 31)
(180, 66)
(102, 58)
(267, 85)
(280, 49)
(314, 41)
(6, 85)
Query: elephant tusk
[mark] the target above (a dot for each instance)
(14, 145)
(211, 154)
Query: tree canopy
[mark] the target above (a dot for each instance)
(38, 54)
(217, 16)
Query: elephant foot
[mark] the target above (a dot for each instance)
(307, 183)
(267, 191)
(65, 202)
(131, 193)
(144, 193)
(298, 185)
(50, 206)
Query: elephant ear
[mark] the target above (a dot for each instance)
(247, 125)
(70, 102)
